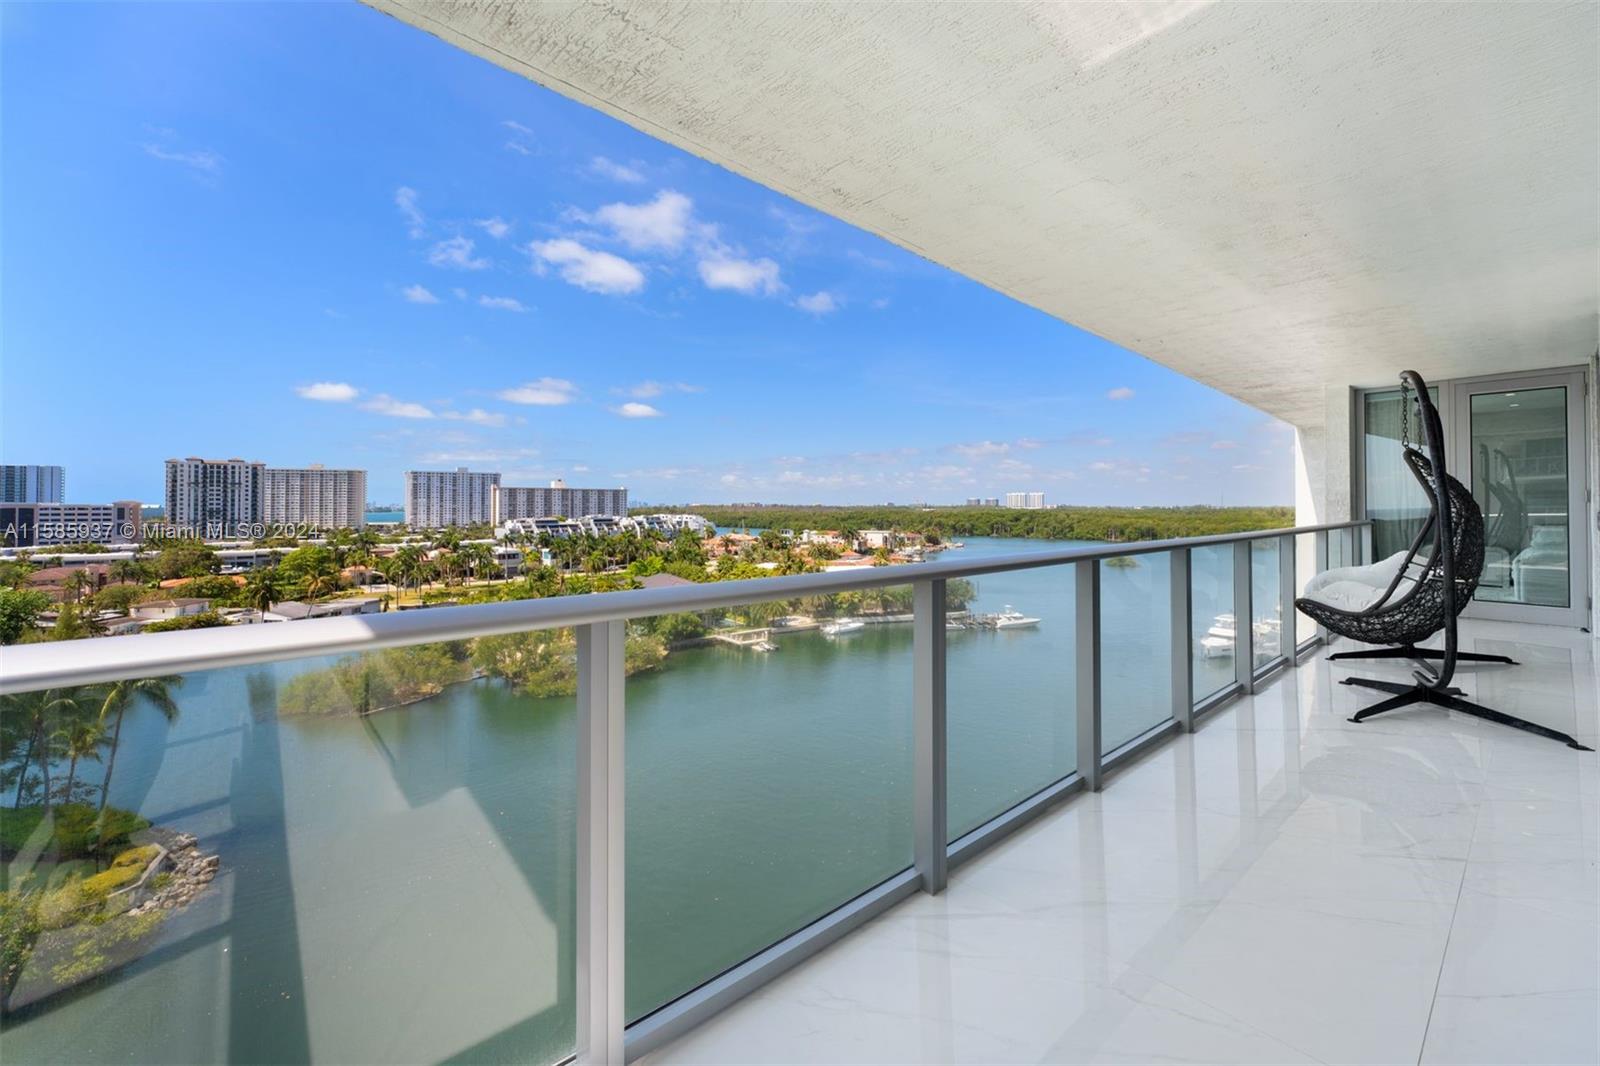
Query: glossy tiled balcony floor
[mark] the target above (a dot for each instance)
(1283, 886)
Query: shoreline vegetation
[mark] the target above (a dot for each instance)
(1112, 524)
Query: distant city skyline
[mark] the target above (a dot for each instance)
(308, 234)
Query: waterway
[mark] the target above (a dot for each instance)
(399, 888)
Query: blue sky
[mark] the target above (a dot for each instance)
(308, 233)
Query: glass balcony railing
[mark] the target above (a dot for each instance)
(768, 778)
(366, 858)
(1135, 635)
(1266, 615)
(1012, 697)
(1213, 634)
(526, 830)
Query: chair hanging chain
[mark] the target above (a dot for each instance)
(1405, 414)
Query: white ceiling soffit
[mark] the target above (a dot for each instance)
(1265, 197)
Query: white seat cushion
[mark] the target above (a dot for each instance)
(1355, 588)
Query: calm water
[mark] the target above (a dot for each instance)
(400, 887)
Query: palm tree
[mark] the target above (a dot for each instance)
(263, 588)
(76, 582)
(81, 739)
(119, 694)
(320, 583)
(33, 710)
(127, 571)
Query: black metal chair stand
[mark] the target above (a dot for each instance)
(1436, 589)
(1411, 651)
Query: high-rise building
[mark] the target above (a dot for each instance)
(1028, 501)
(314, 496)
(512, 503)
(26, 483)
(439, 498)
(214, 498)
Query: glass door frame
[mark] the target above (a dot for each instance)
(1454, 411)
(1459, 429)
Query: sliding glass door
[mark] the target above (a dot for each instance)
(1519, 443)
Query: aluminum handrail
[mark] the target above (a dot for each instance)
(28, 667)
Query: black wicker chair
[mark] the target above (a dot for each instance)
(1427, 592)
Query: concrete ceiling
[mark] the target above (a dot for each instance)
(1275, 199)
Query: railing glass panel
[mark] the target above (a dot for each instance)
(1264, 602)
(366, 859)
(1012, 702)
(769, 777)
(1212, 627)
(1135, 646)
(1341, 547)
(1305, 567)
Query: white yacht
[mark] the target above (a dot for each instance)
(843, 626)
(1011, 618)
(1220, 638)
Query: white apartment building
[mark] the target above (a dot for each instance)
(439, 498)
(27, 483)
(1027, 501)
(214, 498)
(557, 501)
(314, 496)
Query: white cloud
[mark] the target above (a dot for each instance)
(546, 392)
(501, 303)
(495, 227)
(589, 269)
(203, 160)
(328, 391)
(880, 304)
(637, 410)
(818, 303)
(1223, 445)
(741, 275)
(607, 168)
(384, 404)
(477, 416)
(647, 389)
(981, 448)
(522, 140)
(418, 294)
(405, 198)
(1121, 392)
(455, 253)
(662, 223)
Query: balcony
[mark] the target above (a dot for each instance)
(1160, 847)
(1280, 886)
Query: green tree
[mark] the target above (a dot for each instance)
(19, 612)
(263, 587)
(119, 695)
(186, 559)
(81, 739)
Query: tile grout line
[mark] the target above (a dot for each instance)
(1455, 911)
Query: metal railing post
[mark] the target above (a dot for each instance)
(1320, 539)
(1244, 643)
(928, 747)
(601, 1015)
(1364, 545)
(1288, 588)
(1087, 634)
(1182, 641)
